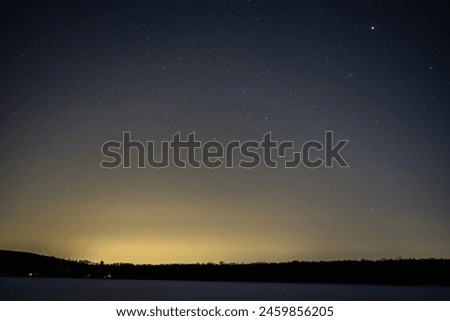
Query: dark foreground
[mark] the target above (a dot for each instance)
(143, 290)
(404, 272)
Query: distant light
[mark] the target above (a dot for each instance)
(372, 28)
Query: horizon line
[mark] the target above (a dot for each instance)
(86, 261)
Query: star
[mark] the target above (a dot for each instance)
(372, 28)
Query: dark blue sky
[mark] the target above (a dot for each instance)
(75, 74)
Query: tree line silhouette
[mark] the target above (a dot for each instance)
(387, 271)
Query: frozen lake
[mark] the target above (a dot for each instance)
(143, 290)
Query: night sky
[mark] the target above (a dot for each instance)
(76, 74)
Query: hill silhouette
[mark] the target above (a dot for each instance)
(398, 271)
